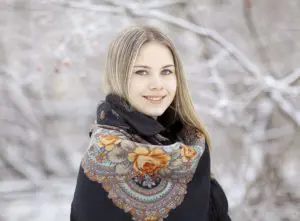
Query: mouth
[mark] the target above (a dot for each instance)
(154, 99)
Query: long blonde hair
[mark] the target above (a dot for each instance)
(122, 53)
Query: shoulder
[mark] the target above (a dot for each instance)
(107, 114)
(101, 130)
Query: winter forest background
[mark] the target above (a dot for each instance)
(242, 59)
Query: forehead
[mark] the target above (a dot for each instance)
(154, 54)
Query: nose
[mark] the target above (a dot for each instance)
(156, 82)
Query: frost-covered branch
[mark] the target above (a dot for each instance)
(13, 158)
(286, 106)
(253, 30)
(157, 3)
(291, 78)
(217, 58)
(211, 34)
(136, 10)
(87, 6)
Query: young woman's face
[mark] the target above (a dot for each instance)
(152, 85)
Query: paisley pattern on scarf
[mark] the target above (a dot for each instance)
(143, 179)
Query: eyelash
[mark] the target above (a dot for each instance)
(142, 71)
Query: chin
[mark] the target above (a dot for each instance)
(154, 114)
(150, 109)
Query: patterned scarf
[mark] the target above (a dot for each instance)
(141, 178)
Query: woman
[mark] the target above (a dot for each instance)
(148, 157)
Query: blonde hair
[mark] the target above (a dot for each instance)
(122, 53)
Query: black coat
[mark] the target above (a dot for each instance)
(205, 200)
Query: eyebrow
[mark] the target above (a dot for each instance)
(147, 67)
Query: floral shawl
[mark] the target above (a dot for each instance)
(143, 179)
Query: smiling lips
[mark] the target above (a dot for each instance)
(154, 98)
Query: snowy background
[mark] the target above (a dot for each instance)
(242, 59)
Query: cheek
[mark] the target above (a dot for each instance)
(135, 86)
(171, 84)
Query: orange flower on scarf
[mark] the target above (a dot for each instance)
(148, 162)
(108, 141)
(188, 153)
